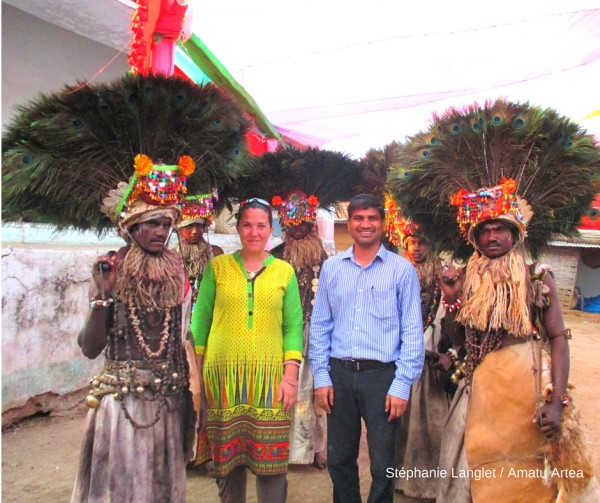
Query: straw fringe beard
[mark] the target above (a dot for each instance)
(195, 256)
(496, 294)
(304, 252)
(148, 280)
(428, 272)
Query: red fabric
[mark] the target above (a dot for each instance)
(155, 16)
(257, 145)
(592, 220)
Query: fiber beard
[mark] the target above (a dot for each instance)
(497, 294)
(305, 252)
(428, 272)
(150, 281)
(194, 257)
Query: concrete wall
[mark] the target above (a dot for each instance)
(44, 294)
(38, 56)
(45, 282)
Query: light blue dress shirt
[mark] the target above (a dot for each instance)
(371, 313)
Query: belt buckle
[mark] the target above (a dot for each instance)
(355, 365)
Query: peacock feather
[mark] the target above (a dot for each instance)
(375, 166)
(331, 176)
(65, 151)
(554, 162)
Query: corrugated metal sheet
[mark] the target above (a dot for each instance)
(573, 244)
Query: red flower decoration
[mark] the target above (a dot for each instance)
(277, 201)
(313, 201)
(510, 185)
(457, 199)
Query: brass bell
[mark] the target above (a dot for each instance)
(174, 388)
(157, 381)
(175, 375)
(455, 379)
(116, 395)
(95, 383)
(315, 281)
(125, 390)
(163, 366)
(92, 401)
(140, 389)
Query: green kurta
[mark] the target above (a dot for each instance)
(246, 329)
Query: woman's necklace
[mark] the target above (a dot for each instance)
(252, 273)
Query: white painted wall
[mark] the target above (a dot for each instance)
(44, 292)
(40, 57)
(44, 288)
(45, 281)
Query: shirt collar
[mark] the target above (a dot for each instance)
(349, 253)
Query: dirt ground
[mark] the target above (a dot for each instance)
(40, 454)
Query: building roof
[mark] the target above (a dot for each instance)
(586, 239)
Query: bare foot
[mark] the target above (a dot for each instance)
(320, 461)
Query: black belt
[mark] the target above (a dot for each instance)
(359, 365)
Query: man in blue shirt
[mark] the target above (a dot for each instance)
(366, 350)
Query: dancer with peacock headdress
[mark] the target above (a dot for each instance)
(197, 216)
(513, 174)
(67, 160)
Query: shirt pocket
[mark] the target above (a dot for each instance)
(382, 304)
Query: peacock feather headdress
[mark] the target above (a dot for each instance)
(398, 228)
(375, 166)
(65, 151)
(511, 160)
(297, 181)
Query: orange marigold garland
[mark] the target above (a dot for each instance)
(142, 164)
(186, 165)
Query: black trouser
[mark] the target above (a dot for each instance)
(360, 394)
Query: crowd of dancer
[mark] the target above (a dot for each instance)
(258, 359)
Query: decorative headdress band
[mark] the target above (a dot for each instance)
(197, 207)
(398, 229)
(499, 202)
(156, 184)
(297, 208)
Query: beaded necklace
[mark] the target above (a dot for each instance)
(432, 307)
(169, 374)
(164, 335)
(307, 295)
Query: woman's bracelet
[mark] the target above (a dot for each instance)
(451, 307)
(291, 362)
(97, 303)
(290, 381)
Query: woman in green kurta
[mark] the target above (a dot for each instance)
(247, 328)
